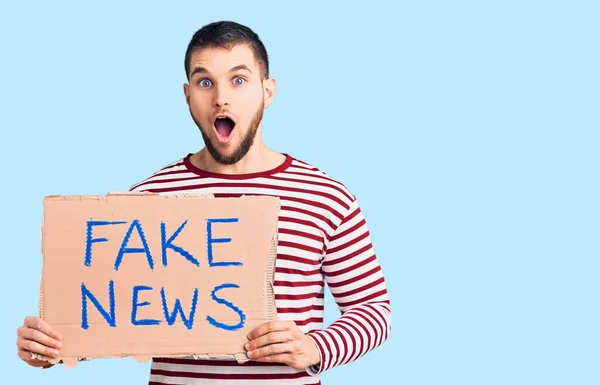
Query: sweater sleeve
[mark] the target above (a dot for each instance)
(355, 279)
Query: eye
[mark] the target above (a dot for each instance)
(238, 81)
(205, 83)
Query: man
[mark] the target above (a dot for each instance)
(322, 233)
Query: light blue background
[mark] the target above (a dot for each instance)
(467, 129)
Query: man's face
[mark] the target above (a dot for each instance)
(226, 96)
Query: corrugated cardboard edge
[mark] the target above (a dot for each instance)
(269, 307)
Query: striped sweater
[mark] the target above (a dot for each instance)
(323, 238)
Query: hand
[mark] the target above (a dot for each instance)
(282, 341)
(36, 336)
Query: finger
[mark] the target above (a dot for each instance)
(41, 325)
(270, 350)
(269, 327)
(26, 355)
(269, 338)
(35, 347)
(284, 358)
(43, 339)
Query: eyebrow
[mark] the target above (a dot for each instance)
(202, 70)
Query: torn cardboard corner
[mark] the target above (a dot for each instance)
(148, 275)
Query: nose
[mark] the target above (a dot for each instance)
(221, 97)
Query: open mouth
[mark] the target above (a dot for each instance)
(224, 127)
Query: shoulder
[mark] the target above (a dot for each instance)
(320, 180)
(173, 168)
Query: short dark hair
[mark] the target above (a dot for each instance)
(227, 34)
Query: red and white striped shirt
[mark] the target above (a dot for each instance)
(323, 237)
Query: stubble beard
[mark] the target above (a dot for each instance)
(242, 149)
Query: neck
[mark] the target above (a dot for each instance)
(260, 158)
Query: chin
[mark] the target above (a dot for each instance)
(229, 155)
(232, 144)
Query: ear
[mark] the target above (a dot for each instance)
(269, 88)
(186, 92)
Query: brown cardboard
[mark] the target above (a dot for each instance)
(66, 277)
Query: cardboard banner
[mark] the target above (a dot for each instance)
(146, 275)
